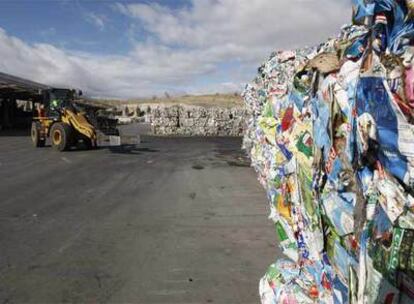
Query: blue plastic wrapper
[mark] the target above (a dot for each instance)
(373, 98)
(357, 48)
(369, 8)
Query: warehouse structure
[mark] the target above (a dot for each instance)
(17, 96)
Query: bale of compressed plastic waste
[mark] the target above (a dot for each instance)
(331, 136)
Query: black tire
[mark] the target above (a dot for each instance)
(89, 144)
(61, 136)
(35, 135)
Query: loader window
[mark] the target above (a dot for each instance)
(57, 100)
(60, 95)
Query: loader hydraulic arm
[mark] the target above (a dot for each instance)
(79, 123)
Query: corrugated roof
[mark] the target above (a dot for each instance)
(16, 86)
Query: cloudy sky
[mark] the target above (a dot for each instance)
(130, 49)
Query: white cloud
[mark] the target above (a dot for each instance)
(242, 29)
(95, 19)
(186, 49)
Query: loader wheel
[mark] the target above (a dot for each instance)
(89, 144)
(61, 136)
(36, 137)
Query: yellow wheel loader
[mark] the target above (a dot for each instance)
(59, 118)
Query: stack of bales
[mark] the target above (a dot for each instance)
(189, 120)
(330, 135)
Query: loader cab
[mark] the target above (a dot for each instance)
(54, 100)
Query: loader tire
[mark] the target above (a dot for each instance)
(89, 144)
(61, 136)
(37, 140)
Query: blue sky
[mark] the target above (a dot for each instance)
(69, 24)
(127, 49)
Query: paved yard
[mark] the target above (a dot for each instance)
(176, 220)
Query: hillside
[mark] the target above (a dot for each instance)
(225, 100)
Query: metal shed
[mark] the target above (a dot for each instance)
(13, 89)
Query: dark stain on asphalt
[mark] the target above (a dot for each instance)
(146, 150)
(33, 267)
(198, 167)
(233, 158)
(98, 279)
(232, 163)
(193, 195)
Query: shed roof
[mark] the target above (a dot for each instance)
(20, 88)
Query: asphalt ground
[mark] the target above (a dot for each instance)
(173, 220)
